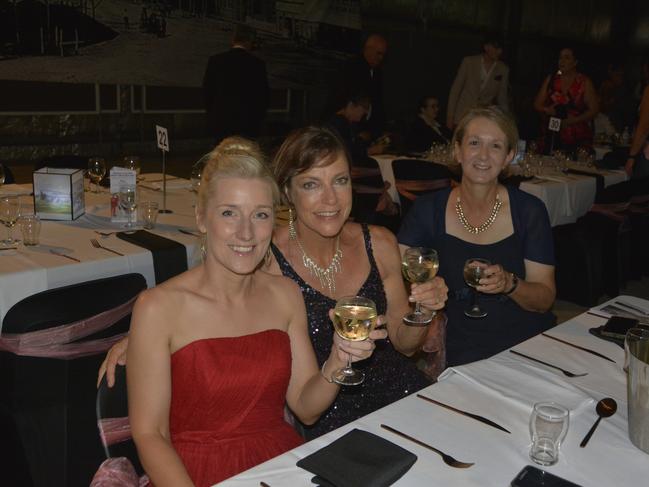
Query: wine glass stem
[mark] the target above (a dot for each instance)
(9, 239)
(417, 307)
(349, 361)
(475, 299)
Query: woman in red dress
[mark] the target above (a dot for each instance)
(570, 96)
(216, 352)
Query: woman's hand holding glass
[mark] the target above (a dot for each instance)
(431, 294)
(496, 280)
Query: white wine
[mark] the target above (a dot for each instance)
(353, 322)
(472, 275)
(419, 271)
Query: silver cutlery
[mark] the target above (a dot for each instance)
(187, 232)
(97, 245)
(61, 254)
(578, 347)
(567, 373)
(632, 307)
(605, 409)
(448, 459)
(464, 413)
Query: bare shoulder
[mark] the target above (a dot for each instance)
(280, 287)
(384, 242)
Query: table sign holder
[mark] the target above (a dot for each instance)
(162, 139)
(58, 193)
(120, 178)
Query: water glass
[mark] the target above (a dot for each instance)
(30, 226)
(149, 212)
(132, 163)
(548, 428)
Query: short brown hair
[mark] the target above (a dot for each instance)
(497, 115)
(304, 148)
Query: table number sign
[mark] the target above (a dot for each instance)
(162, 139)
(555, 124)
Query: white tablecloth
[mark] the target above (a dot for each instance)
(29, 270)
(609, 459)
(566, 196)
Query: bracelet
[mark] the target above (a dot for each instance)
(328, 379)
(514, 284)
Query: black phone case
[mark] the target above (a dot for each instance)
(535, 477)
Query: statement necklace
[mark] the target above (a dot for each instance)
(327, 277)
(486, 224)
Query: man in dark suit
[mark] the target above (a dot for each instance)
(235, 87)
(362, 74)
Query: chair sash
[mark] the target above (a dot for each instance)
(114, 430)
(118, 472)
(405, 187)
(58, 342)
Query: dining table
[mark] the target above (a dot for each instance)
(566, 195)
(502, 389)
(65, 254)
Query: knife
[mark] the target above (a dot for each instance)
(187, 232)
(470, 415)
(578, 347)
(631, 307)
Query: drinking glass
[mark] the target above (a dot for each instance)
(128, 201)
(418, 265)
(9, 213)
(548, 427)
(132, 163)
(96, 171)
(473, 272)
(149, 211)
(197, 173)
(31, 228)
(354, 318)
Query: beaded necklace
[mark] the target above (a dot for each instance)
(486, 224)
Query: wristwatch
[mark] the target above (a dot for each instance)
(514, 284)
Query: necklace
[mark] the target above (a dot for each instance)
(486, 224)
(327, 277)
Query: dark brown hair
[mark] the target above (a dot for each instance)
(304, 148)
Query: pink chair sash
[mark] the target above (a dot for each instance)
(56, 342)
(118, 472)
(114, 430)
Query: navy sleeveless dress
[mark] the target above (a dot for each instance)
(471, 339)
(389, 375)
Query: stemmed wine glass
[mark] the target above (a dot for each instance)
(419, 265)
(197, 173)
(9, 213)
(133, 163)
(128, 201)
(473, 272)
(2, 174)
(354, 318)
(96, 171)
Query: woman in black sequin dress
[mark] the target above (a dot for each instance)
(312, 169)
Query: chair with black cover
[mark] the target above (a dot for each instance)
(415, 177)
(112, 406)
(70, 161)
(48, 403)
(371, 202)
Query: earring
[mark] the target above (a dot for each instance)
(203, 246)
(292, 232)
(267, 257)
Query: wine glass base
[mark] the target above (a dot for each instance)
(418, 318)
(348, 377)
(475, 313)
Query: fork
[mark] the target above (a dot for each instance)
(567, 373)
(448, 459)
(97, 245)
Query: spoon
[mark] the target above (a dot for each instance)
(605, 409)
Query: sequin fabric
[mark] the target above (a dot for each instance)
(389, 375)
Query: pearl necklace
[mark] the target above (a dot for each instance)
(486, 224)
(327, 277)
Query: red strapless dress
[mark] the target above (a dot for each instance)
(227, 404)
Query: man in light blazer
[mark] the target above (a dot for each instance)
(482, 80)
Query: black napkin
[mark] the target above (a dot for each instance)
(358, 459)
(169, 256)
(599, 179)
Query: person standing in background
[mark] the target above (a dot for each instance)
(482, 80)
(235, 88)
(362, 74)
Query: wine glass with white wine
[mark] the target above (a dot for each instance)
(419, 265)
(96, 171)
(354, 319)
(473, 272)
(9, 213)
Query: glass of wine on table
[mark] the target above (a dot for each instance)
(419, 265)
(354, 319)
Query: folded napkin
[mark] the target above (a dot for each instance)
(169, 256)
(358, 459)
(520, 381)
(15, 189)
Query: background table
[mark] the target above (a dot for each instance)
(29, 270)
(609, 459)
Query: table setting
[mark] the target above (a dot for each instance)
(483, 422)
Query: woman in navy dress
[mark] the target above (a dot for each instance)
(482, 218)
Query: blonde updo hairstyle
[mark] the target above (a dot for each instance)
(500, 117)
(234, 157)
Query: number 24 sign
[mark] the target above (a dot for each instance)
(162, 138)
